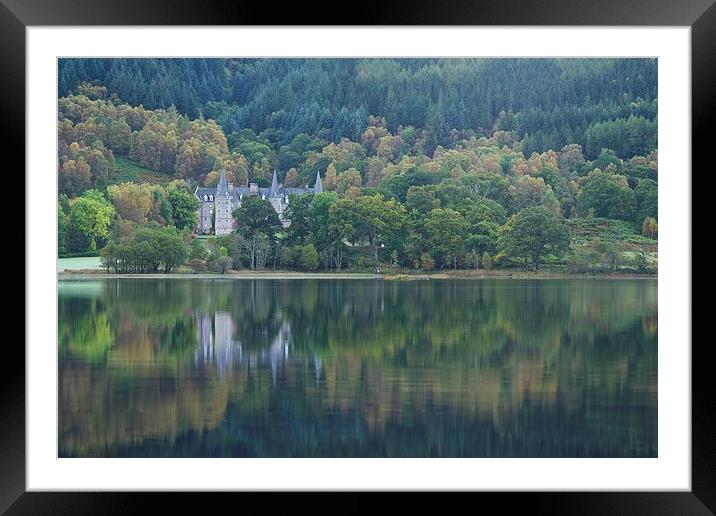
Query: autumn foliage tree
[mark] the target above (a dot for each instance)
(132, 201)
(649, 228)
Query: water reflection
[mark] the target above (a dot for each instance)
(345, 368)
(217, 345)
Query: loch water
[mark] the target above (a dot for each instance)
(188, 367)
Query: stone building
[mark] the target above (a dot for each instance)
(225, 198)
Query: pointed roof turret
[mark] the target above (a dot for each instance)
(222, 188)
(274, 185)
(318, 187)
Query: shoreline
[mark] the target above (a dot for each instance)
(456, 275)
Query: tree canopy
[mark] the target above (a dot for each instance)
(595, 103)
(532, 233)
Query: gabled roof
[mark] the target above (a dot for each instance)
(238, 191)
(201, 192)
(296, 191)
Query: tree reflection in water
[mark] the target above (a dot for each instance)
(345, 368)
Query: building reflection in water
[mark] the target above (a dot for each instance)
(216, 343)
(218, 347)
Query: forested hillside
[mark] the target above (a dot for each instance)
(548, 103)
(428, 162)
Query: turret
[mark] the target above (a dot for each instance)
(222, 188)
(318, 187)
(274, 185)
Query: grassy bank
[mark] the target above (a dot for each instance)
(84, 263)
(127, 170)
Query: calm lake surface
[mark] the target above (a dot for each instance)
(357, 368)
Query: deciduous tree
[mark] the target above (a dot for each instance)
(532, 233)
(132, 201)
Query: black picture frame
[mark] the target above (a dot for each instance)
(700, 15)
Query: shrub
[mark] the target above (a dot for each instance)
(581, 260)
(221, 264)
(197, 265)
(366, 262)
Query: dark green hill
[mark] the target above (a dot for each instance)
(548, 102)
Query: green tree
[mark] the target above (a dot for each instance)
(90, 217)
(532, 233)
(446, 232)
(257, 215)
(161, 210)
(288, 257)
(146, 250)
(61, 230)
(427, 262)
(169, 248)
(370, 218)
(326, 231)
(421, 199)
(394, 258)
(222, 264)
(309, 257)
(198, 250)
(301, 214)
(646, 197)
(487, 262)
(483, 238)
(184, 205)
(173, 250)
(606, 195)
(257, 248)
(238, 249)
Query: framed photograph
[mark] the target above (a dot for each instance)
(427, 252)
